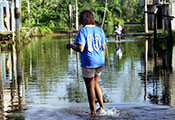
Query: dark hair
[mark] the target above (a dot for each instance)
(86, 18)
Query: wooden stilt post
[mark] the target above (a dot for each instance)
(13, 15)
(2, 116)
(18, 18)
(76, 12)
(77, 54)
(7, 15)
(155, 41)
(146, 17)
(28, 5)
(70, 16)
(1, 17)
(170, 36)
(146, 62)
(71, 41)
(155, 30)
(13, 19)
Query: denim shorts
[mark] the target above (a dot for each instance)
(118, 35)
(91, 72)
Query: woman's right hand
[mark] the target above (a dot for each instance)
(68, 46)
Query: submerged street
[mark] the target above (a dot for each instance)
(42, 81)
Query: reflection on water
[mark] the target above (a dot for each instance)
(11, 82)
(40, 81)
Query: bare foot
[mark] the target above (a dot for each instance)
(93, 113)
(99, 110)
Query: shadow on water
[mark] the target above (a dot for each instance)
(40, 81)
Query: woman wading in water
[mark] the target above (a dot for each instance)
(90, 42)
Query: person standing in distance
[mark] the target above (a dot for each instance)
(118, 33)
(90, 42)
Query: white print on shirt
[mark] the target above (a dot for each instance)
(94, 43)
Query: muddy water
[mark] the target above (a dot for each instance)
(42, 81)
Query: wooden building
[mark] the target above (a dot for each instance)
(7, 12)
(164, 7)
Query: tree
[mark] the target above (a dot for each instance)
(54, 13)
(106, 4)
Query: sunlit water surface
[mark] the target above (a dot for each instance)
(52, 87)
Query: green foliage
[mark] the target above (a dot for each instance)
(43, 30)
(55, 13)
(116, 20)
(121, 21)
(164, 33)
(134, 28)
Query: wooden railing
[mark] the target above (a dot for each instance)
(154, 2)
(160, 2)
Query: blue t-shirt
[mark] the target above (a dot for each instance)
(92, 38)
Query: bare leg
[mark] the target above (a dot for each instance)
(98, 92)
(119, 38)
(90, 86)
(116, 44)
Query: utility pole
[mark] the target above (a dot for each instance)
(76, 10)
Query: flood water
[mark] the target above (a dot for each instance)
(43, 81)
